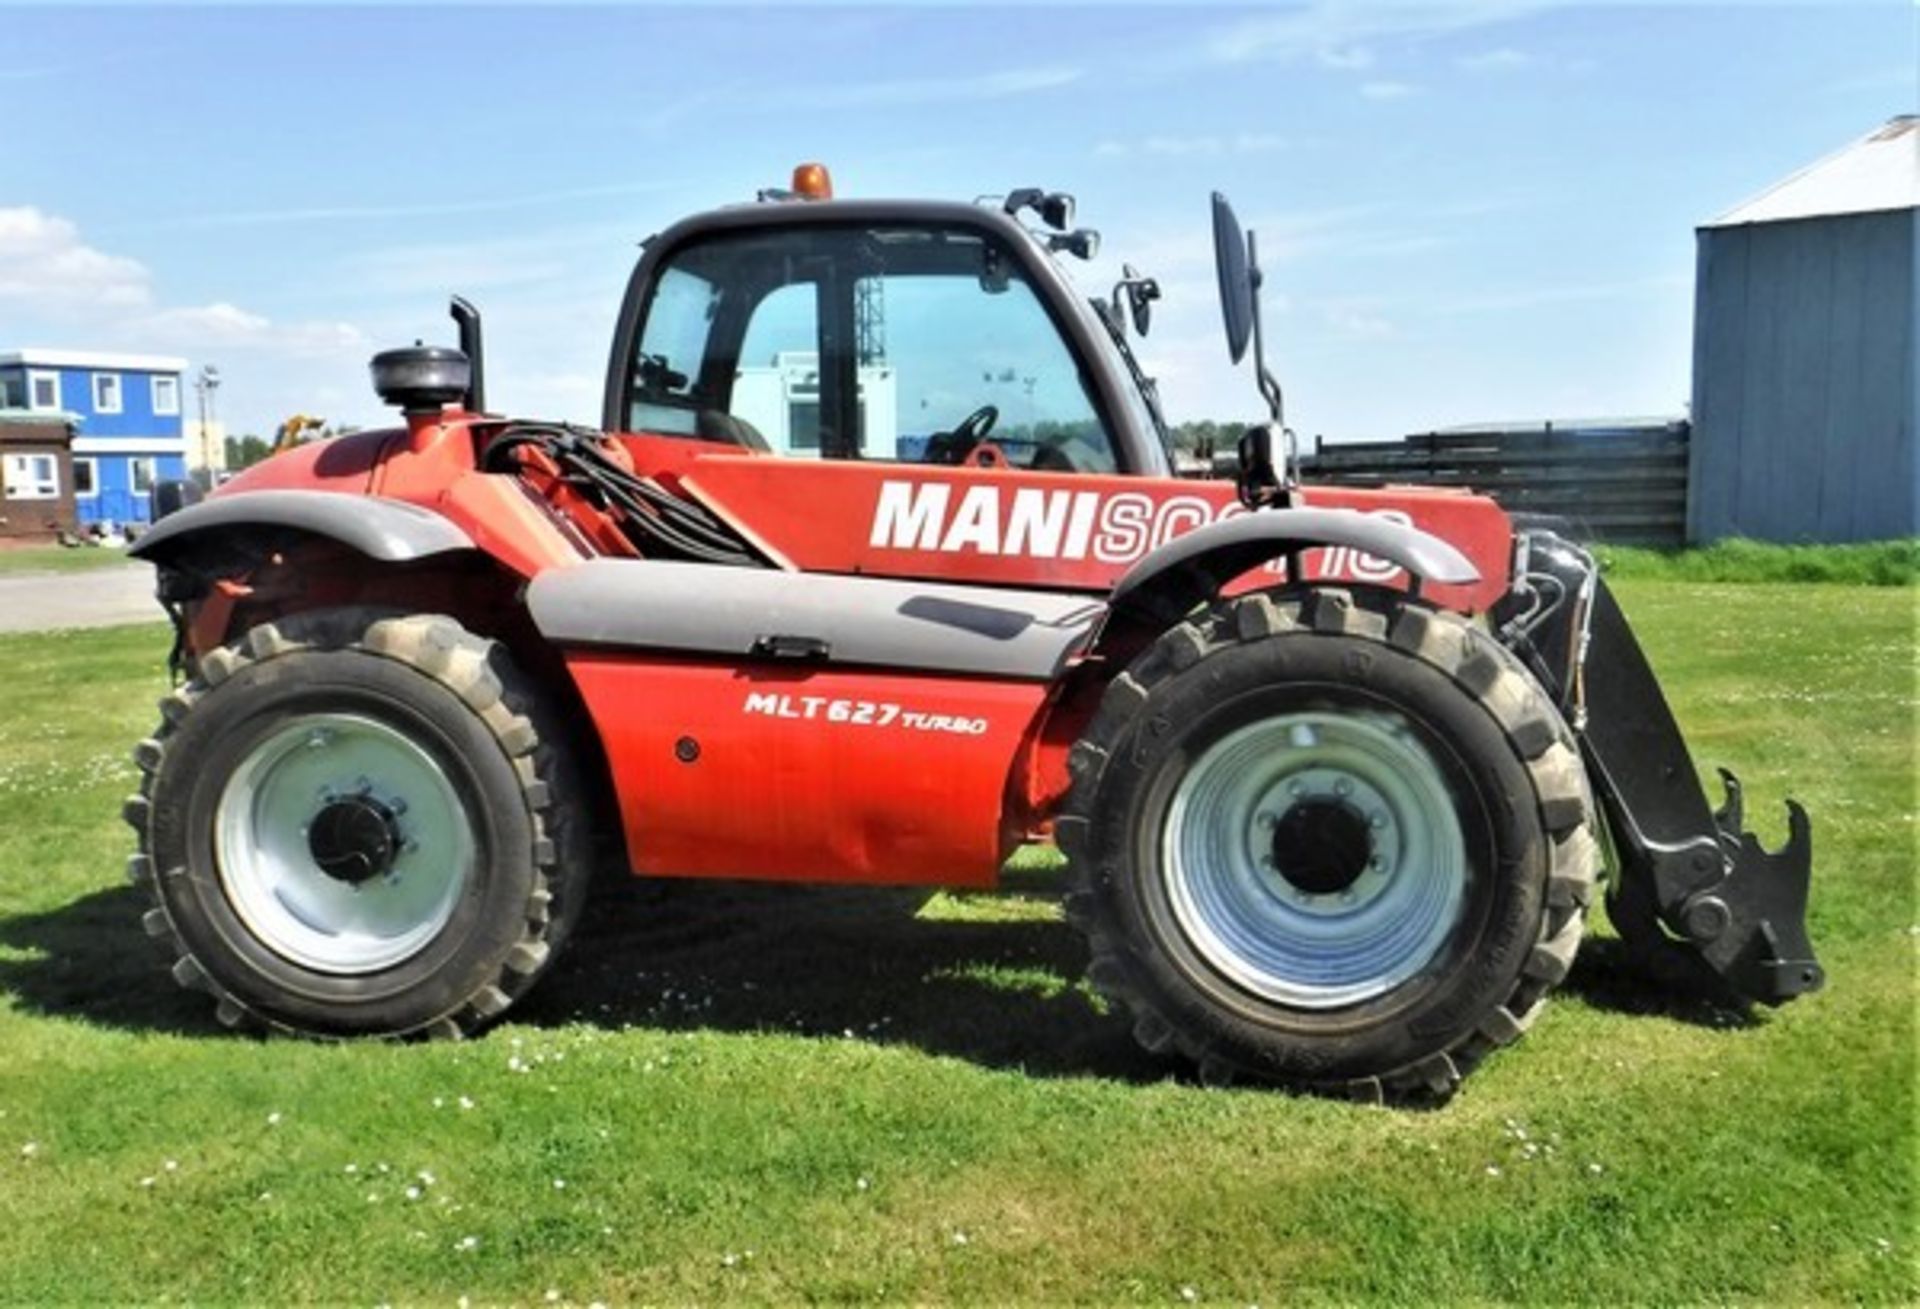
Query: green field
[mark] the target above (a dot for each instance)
(1869, 563)
(58, 558)
(792, 1094)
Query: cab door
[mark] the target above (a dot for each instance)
(927, 405)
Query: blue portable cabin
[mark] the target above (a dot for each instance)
(129, 431)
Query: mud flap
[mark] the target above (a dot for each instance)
(1695, 892)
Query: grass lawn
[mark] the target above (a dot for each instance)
(1869, 563)
(58, 558)
(792, 1094)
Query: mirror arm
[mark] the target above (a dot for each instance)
(1269, 385)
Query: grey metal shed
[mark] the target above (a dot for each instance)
(1806, 403)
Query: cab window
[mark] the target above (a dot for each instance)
(915, 345)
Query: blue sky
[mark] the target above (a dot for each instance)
(1480, 209)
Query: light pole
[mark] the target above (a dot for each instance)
(205, 385)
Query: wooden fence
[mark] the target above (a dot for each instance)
(1625, 483)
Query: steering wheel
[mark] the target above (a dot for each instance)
(954, 446)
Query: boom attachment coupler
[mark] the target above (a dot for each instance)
(1694, 890)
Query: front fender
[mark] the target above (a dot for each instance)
(1192, 569)
(390, 531)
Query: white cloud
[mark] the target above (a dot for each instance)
(46, 266)
(1202, 146)
(1388, 90)
(58, 289)
(1307, 31)
(199, 329)
(1537, 297)
(1248, 143)
(1349, 58)
(220, 323)
(567, 392)
(1894, 77)
(527, 199)
(1505, 59)
(919, 90)
(1356, 322)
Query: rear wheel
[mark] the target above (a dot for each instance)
(353, 824)
(1330, 839)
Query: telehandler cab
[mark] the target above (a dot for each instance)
(876, 569)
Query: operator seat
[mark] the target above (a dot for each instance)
(717, 425)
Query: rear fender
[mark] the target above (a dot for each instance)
(390, 531)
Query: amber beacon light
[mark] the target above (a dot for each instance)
(812, 182)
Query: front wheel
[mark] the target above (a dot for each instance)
(352, 824)
(1329, 838)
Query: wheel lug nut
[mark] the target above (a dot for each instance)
(1267, 820)
(1343, 787)
(1296, 788)
(1377, 821)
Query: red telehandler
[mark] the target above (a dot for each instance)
(875, 569)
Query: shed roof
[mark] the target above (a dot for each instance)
(40, 417)
(1880, 171)
(35, 356)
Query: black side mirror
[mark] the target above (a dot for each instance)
(1236, 282)
(1081, 242)
(1139, 293)
(1054, 207)
(1140, 298)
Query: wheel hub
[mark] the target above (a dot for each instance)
(342, 845)
(1321, 845)
(1315, 858)
(355, 839)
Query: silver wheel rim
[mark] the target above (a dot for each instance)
(1302, 945)
(264, 852)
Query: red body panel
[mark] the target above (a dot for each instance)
(829, 774)
(345, 463)
(431, 463)
(1054, 531)
(809, 775)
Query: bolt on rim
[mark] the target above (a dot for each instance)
(342, 845)
(1315, 858)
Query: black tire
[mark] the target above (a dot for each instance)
(458, 699)
(1503, 759)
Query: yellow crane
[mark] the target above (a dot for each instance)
(294, 431)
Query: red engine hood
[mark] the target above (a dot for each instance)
(1050, 530)
(342, 463)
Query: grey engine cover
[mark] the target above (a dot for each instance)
(876, 622)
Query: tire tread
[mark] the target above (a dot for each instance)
(471, 667)
(1448, 642)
